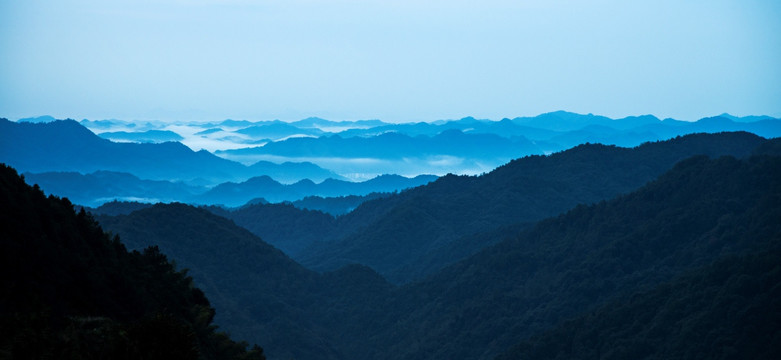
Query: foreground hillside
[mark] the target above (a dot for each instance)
(565, 267)
(260, 292)
(70, 291)
(698, 212)
(726, 310)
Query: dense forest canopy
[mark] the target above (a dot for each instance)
(69, 290)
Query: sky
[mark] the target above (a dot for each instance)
(396, 61)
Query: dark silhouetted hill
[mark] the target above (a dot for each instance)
(260, 292)
(114, 208)
(71, 291)
(285, 226)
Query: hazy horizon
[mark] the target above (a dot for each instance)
(292, 120)
(180, 60)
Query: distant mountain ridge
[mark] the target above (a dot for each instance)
(356, 150)
(290, 172)
(277, 130)
(310, 122)
(367, 148)
(149, 136)
(99, 187)
(397, 145)
(39, 119)
(233, 194)
(557, 124)
(68, 146)
(476, 146)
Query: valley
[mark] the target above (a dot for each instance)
(500, 264)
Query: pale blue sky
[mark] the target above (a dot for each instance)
(391, 60)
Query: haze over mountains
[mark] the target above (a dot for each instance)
(312, 149)
(632, 234)
(70, 160)
(364, 149)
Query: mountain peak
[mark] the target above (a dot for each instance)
(39, 119)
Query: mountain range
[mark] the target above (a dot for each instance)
(149, 136)
(548, 132)
(659, 239)
(368, 148)
(318, 149)
(67, 159)
(404, 236)
(412, 234)
(627, 249)
(97, 188)
(396, 145)
(233, 194)
(67, 146)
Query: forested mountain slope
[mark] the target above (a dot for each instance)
(399, 234)
(727, 310)
(567, 266)
(698, 212)
(288, 228)
(70, 291)
(259, 291)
